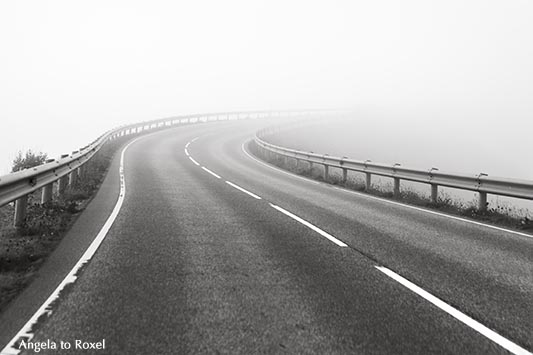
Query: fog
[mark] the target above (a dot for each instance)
(70, 70)
(499, 148)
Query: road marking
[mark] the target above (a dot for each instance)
(194, 161)
(388, 201)
(478, 327)
(192, 140)
(436, 213)
(243, 190)
(309, 225)
(277, 169)
(210, 172)
(27, 332)
(187, 152)
(187, 145)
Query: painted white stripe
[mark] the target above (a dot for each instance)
(278, 169)
(243, 190)
(210, 172)
(192, 140)
(187, 145)
(436, 213)
(194, 161)
(388, 201)
(46, 309)
(187, 152)
(478, 327)
(311, 226)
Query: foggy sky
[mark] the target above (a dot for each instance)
(70, 70)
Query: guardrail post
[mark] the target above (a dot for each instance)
(46, 191)
(396, 191)
(396, 187)
(46, 194)
(482, 205)
(368, 184)
(434, 193)
(72, 177)
(344, 175)
(62, 185)
(81, 171)
(326, 172)
(20, 210)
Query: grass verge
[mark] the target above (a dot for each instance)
(23, 250)
(500, 215)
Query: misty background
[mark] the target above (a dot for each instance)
(446, 84)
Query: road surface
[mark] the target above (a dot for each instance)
(215, 252)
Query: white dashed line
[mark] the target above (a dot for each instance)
(27, 332)
(311, 226)
(187, 145)
(243, 190)
(192, 140)
(194, 161)
(478, 327)
(187, 152)
(210, 172)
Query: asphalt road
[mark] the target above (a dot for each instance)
(223, 254)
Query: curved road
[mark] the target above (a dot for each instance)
(215, 252)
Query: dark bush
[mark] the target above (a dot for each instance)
(28, 160)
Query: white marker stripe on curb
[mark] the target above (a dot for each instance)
(478, 327)
(194, 161)
(309, 225)
(210, 172)
(45, 309)
(243, 190)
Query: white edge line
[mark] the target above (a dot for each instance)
(210, 172)
(309, 225)
(194, 161)
(192, 140)
(243, 190)
(187, 145)
(389, 201)
(26, 331)
(478, 327)
(187, 152)
(278, 169)
(436, 213)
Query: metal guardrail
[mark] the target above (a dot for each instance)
(66, 170)
(481, 183)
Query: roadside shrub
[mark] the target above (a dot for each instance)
(28, 160)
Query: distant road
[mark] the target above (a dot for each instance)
(215, 252)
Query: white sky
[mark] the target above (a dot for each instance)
(70, 70)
